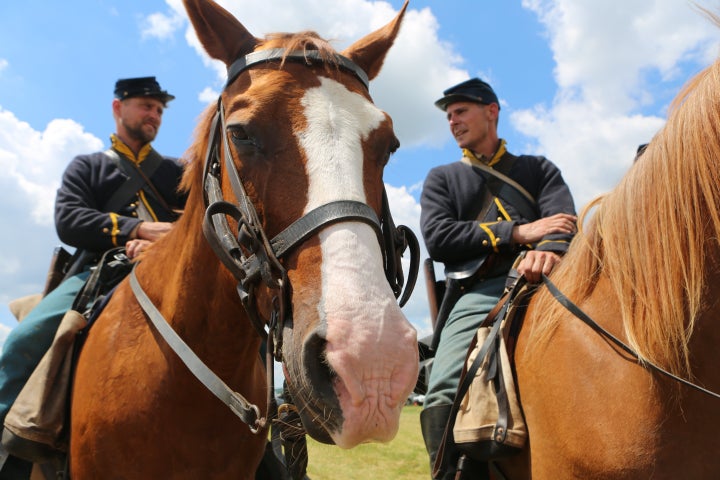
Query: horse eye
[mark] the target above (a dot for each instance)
(239, 136)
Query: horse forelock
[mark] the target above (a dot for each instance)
(652, 236)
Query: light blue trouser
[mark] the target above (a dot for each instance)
(462, 324)
(31, 338)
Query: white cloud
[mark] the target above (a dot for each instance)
(406, 211)
(31, 164)
(33, 161)
(3, 64)
(602, 49)
(160, 26)
(397, 89)
(4, 332)
(593, 149)
(208, 95)
(612, 59)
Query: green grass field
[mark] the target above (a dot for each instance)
(404, 458)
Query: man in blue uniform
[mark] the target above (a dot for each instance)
(475, 221)
(125, 196)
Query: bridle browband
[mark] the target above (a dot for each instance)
(251, 257)
(307, 57)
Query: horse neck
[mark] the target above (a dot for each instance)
(706, 337)
(195, 294)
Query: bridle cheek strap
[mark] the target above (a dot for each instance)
(251, 257)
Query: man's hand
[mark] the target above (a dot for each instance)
(152, 230)
(535, 231)
(536, 263)
(145, 234)
(134, 247)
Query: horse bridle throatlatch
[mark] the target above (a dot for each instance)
(252, 257)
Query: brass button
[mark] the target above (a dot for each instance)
(485, 242)
(499, 219)
(134, 214)
(106, 230)
(499, 239)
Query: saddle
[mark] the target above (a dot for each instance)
(486, 421)
(36, 427)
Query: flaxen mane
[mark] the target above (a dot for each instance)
(654, 234)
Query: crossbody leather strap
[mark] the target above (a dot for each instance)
(138, 177)
(507, 188)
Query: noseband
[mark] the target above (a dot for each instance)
(250, 255)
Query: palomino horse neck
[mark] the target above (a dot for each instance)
(301, 135)
(646, 269)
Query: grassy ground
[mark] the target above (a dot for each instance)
(404, 458)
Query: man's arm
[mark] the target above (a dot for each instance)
(552, 233)
(450, 202)
(80, 219)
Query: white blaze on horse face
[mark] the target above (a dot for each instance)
(370, 344)
(337, 122)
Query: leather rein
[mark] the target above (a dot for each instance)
(577, 312)
(252, 257)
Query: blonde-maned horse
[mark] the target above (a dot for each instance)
(294, 135)
(646, 269)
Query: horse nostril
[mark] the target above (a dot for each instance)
(319, 408)
(318, 371)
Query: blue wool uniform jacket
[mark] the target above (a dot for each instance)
(81, 219)
(451, 201)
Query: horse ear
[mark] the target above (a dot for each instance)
(369, 52)
(222, 35)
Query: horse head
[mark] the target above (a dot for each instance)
(299, 149)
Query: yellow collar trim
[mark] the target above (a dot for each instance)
(120, 146)
(495, 158)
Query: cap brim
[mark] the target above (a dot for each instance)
(443, 103)
(164, 97)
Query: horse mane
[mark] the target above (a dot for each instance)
(653, 236)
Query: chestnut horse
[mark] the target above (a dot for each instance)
(294, 135)
(646, 269)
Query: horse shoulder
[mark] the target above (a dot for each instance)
(588, 407)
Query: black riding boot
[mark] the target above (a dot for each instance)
(15, 469)
(432, 422)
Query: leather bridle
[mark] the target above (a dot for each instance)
(250, 255)
(252, 258)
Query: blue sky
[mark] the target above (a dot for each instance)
(580, 81)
